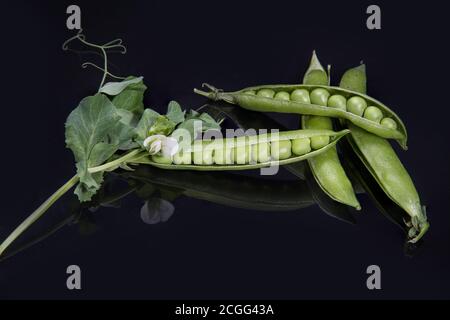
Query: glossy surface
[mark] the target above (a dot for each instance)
(206, 250)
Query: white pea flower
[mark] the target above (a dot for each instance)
(168, 146)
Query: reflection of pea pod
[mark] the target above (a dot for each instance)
(383, 163)
(229, 189)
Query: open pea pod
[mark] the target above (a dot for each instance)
(246, 119)
(283, 99)
(208, 155)
(384, 165)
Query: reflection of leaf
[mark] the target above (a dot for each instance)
(131, 98)
(174, 112)
(87, 129)
(115, 88)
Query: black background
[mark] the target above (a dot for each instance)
(206, 250)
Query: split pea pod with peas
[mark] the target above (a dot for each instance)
(326, 168)
(318, 100)
(247, 152)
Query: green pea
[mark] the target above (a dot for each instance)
(356, 105)
(281, 150)
(337, 101)
(319, 142)
(266, 93)
(373, 113)
(300, 95)
(224, 155)
(389, 123)
(319, 96)
(319, 122)
(282, 95)
(161, 159)
(242, 151)
(207, 156)
(182, 158)
(301, 146)
(253, 153)
(252, 92)
(263, 152)
(198, 152)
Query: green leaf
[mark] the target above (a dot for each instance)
(88, 128)
(124, 132)
(132, 97)
(114, 88)
(196, 123)
(162, 126)
(191, 126)
(148, 119)
(174, 112)
(209, 122)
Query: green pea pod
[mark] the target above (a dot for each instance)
(326, 167)
(274, 98)
(239, 142)
(245, 119)
(383, 163)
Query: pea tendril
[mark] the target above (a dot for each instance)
(114, 44)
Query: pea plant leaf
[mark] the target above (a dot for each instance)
(174, 112)
(131, 98)
(123, 133)
(114, 88)
(196, 123)
(162, 125)
(87, 131)
(148, 119)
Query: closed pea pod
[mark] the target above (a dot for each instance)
(383, 163)
(356, 104)
(326, 167)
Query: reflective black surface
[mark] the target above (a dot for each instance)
(228, 237)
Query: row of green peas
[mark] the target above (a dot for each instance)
(321, 96)
(245, 153)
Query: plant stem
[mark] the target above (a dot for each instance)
(38, 213)
(136, 154)
(115, 163)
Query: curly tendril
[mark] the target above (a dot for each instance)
(90, 64)
(114, 44)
